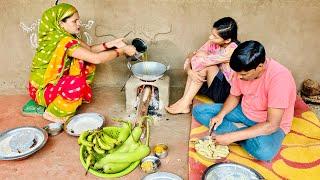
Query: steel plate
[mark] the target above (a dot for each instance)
(162, 176)
(230, 171)
(21, 142)
(84, 122)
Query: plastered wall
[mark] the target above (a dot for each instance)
(289, 30)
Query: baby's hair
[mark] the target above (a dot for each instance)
(227, 29)
(57, 1)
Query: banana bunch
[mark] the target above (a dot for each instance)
(113, 151)
(96, 141)
(130, 151)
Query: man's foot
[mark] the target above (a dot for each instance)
(31, 108)
(50, 117)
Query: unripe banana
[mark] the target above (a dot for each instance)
(83, 136)
(111, 168)
(112, 131)
(89, 160)
(108, 139)
(86, 143)
(98, 149)
(91, 136)
(89, 149)
(124, 157)
(103, 145)
(82, 139)
(95, 140)
(124, 133)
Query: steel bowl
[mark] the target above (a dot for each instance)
(160, 150)
(53, 128)
(150, 164)
(148, 70)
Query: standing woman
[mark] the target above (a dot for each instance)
(63, 67)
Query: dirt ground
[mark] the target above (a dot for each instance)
(59, 158)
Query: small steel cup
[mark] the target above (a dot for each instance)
(160, 150)
(53, 128)
(150, 164)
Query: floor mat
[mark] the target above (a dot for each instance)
(298, 158)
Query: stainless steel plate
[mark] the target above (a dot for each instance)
(230, 171)
(84, 122)
(162, 176)
(21, 142)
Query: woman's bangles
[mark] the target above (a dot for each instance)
(117, 51)
(112, 48)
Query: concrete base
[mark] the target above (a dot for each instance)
(134, 83)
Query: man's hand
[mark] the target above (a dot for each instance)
(196, 76)
(215, 122)
(224, 139)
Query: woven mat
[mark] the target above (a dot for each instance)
(298, 158)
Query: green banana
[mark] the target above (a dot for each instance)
(122, 154)
(89, 149)
(130, 144)
(98, 173)
(82, 136)
(111, 168)
(89, 160)
(108, 139)
(98, 149)
(95, 140)
(112, 131)
(103, 145)
(91, 136)
(136, 133)
(122, 157)
(124, 133)
(82, 139)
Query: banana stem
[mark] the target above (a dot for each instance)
(119, 120)
(148, 133)
(147, 119)
(122, 121)
(141, 120)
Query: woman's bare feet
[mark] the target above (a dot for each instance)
(50, 117)
(174, 105)
(177, 111)
(179, 108)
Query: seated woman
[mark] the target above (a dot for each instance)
(63, 67)
(211, 64)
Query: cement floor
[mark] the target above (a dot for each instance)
(59, 158)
